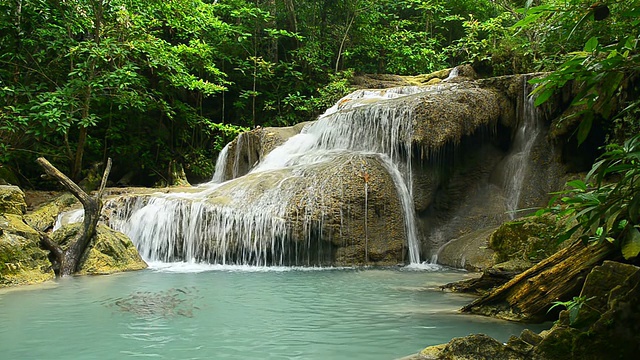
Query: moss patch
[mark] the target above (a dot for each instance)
(530, 239)
(21, 259)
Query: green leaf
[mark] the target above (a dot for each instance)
(591, 44)
(544, 96)
(631, 244)
(577, 184)
(585, 127)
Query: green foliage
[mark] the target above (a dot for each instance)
(154, 82)
(606, 206)
(600, 67)
(572, 306)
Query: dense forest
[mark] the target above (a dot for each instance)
(160, 85)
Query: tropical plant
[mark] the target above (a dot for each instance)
(606, 206)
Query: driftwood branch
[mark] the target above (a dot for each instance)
(69, 258)
(529, 295)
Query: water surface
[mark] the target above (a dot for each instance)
(214, 312)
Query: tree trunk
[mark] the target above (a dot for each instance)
(529, 295)
(68, 259)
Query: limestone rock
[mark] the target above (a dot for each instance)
(21, 259)
(445, 117)
(347, 209)
(111, 251)
(607, 326)
(12, 200)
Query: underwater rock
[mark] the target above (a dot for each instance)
(12, 200)
(174, 302)
(22, 261)
(111, 252)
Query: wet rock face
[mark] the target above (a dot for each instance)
(22, 261)
(357, 210)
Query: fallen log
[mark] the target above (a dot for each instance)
(67, 259)
(529, 295)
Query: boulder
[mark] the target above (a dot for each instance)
(12, 200)
(468, 252)
(477, 347)
(345, 211)
(111, 252)
(606, 325)
(529, 239)
(22, 261)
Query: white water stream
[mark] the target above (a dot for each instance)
(517, 161)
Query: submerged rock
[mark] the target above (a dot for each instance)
(22, 261)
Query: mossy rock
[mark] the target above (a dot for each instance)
(22, 261)
(111, 252)
(44, 217)
(530, 239)
(12, 200)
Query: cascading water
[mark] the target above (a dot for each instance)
(247, 220)
(516, 164)
(218, 175)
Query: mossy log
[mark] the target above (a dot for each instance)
(528, 296)
(66, 261)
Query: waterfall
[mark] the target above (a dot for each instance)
(201, 226)
(517, 161)
(221, 164)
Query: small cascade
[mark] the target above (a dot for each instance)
(517, 161)
(249, 220)
(221, 164)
